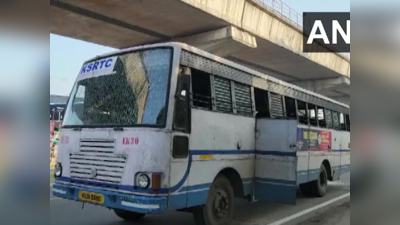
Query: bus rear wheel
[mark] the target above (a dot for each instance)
(320, 186)
(220, 204)
(128, 216)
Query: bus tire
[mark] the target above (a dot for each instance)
(320, 186)
(128, 215)
(219, 207)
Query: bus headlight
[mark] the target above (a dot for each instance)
(143, 181)
(58, 170)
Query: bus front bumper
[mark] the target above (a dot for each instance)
(112, 200)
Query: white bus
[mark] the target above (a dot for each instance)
(171, 127)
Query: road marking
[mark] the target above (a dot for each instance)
(302, 213)
(52, 199)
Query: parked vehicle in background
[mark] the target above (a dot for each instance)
(171, 127)
(57, 111)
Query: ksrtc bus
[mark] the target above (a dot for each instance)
(170, 127)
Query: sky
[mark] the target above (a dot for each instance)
(67, 55)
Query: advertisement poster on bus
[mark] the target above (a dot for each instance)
(314, 140)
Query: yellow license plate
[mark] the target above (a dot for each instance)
(91, 197)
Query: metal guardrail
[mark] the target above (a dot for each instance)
(284, 11)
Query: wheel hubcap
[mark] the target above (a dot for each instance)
(221, 204)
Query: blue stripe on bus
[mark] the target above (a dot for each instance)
(275, 181)
(178, 186)
(305, 176)
(222, 152)
(195, 187)
(340, 150)
(276, 153)
(115, 199)
(112, 186)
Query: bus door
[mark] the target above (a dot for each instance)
(337, 149)
(276, 161)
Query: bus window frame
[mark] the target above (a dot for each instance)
(297, 110)
(309, 115)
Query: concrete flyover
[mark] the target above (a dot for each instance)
(245, 31)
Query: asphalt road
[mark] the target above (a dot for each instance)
(64, 212)
(339, 215)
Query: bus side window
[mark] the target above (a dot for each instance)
(312, 112)
(342, 122)
(328, 118)
(348, 122)
(276, 106)
(302, 112)
(336, 123)
(290, 104)
(262, 103)
(223, 94)
(244, 105)
(321, 117)
(201, 88)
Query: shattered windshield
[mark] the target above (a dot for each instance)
(125, 90)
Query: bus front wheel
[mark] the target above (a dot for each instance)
(220, 204)
(128, 216)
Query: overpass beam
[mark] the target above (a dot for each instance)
(328, 87)
(324, 85)
(343, 99)
(222, 42)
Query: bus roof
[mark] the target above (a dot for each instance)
(223, 61)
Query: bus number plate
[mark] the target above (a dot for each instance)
(91, 197)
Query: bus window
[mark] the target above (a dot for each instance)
(244, 105)
(328, 118)
(223, 94)
(321, 116)
(302, 112)
(348, 122)
(262, 102)
(342, 122)
(312, 112)
(335, 119)
(201, 88)
(276, 105)
(290, 104)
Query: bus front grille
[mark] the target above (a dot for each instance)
(97, 162)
